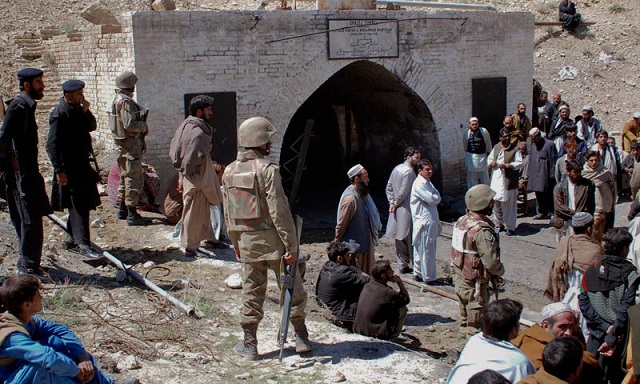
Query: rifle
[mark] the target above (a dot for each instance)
(287, 280)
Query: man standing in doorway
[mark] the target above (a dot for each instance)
(398, 191)
(70, 151)
(358, 218)
(477, 147)
(26, 195)
(262, 231)
(521, 121)
(191, 154)
(541, 176)
(128, 123)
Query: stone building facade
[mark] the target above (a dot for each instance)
(366, 107)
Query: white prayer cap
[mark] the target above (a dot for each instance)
(636, 115)
(587, 108)
(562, 107)
(581, 219)
(471, 120)
(354, 171)
(534, 132)
(554, 309)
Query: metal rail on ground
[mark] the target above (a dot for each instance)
(188, 309)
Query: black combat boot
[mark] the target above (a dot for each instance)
(134, 218)
(123, 212)
(248, 348)
(303, 345)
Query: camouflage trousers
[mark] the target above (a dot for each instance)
(254, 289)
(131, 176)
(471, 302)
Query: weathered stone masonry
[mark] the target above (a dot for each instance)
(176, 53)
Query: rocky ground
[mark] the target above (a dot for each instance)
(135, 332)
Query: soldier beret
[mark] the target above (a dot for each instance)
(355, 171)
(72, 85)
(29, 73)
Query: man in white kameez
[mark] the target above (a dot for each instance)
(398, 191)
(426, 223)
(505, 161)
(190, 153)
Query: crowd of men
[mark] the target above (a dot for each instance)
(575, 170)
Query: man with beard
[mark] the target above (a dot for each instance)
(521, 122)
(507, 123)
(573, 194)
(475, 255)
(544, 109)
(603, 218)
(128, 123)
(74, 182)
(191, 154)
(358, 218)
(540, 177)
(26, 195)
(505, 161)
(477, 146)
(398, 191)
(559, 126)
(588, 126)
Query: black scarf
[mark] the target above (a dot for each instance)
(607, 274)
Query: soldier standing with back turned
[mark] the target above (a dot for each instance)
(475, 255)
(262, 231)
(128, 124)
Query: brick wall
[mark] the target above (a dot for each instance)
(186, 52)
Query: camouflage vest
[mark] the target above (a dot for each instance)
(245, 202)
(464, 256)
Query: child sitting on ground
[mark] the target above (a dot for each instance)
(33, 350)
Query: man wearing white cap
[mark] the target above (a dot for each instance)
(358, 218)
(559, 125)
(477, 147)
(540, 177)
(630, 132)
(588, 126)
(558, 321)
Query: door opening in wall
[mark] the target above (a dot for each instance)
(362, 114)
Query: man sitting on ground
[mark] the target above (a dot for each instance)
(561, 361)
(381, 310)
(33, 350)
(558, 320)
(491, 348)
(340, 283)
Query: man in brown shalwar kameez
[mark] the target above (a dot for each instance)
(191, 154)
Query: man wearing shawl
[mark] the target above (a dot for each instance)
(191, 154)
(573, 256)
(358, 218)
(605, 194)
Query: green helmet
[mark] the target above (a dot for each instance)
(126, 80)
(255, 132)
(478, 197)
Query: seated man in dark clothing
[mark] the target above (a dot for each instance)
(339, 283)
(382, 310)
(568, 15)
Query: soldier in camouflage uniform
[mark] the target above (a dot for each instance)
(128, 123)
(262, 231)
(475, 255)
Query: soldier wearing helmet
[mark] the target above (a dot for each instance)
(475, 255)
(262, 230)
(128, 124)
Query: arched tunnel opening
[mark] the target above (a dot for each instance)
(362, 114)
